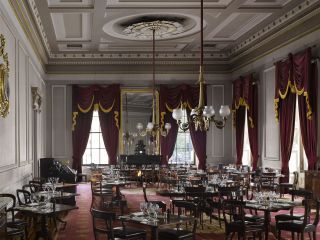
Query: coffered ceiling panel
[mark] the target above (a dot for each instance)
(236, 25)
(70, 3)
(72, 26)
(93, 31)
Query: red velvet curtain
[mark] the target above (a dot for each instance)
(171, 98)
(109, 104)
(238, 111)
(305, 79)
(83, 98)
(285, 102)
(107, 101)
(250, 94)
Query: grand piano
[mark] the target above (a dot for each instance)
(140, 159)
(49, 167)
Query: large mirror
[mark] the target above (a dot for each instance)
(136, 108)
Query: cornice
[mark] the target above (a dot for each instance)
(26, 24)
(282, 38)
(263, 33)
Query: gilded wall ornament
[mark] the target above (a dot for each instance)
(4, 79)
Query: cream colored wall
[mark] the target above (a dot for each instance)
(16, 130)
(265, 72)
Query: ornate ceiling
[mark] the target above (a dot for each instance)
(104, 32)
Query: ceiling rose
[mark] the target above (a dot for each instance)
(139, 27)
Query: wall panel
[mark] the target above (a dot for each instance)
(271, 141)
(59, 121)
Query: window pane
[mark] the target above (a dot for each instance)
(87, 157)
(101, 141)
(89, 142)
(95, 156)
(103, 156)
(95, 140)
(95, 125)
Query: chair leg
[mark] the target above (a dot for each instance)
(279, 235)
(314, 235)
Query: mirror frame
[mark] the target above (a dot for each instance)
(136, 90)
(4, 79)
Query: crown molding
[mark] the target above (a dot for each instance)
(282, 21)
(24, 18)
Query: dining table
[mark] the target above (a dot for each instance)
(44, 210)
(268, 207)
(162, 220)
(117, 184)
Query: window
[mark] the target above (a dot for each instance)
(183, 151)
(246, 157)
(95, 151)
(298, 160)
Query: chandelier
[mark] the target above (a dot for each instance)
(153, 128)
(202, 115)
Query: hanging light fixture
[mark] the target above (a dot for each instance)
(202, 115)
(153, 128)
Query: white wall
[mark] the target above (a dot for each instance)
(16, 130)
(265, 72)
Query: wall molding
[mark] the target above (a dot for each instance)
(64, 111)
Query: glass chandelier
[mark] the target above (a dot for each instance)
(202, 115)
(152, 127)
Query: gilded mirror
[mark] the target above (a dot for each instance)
(136, 108)
(4, 79)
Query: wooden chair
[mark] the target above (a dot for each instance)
(301, 226)
(238, 223)
(161, 204)
(306, 194)
(24, 197)
(15, 227)
(285, 186)
(178, 233)
(112, 233)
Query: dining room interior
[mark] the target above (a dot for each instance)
(160, 120)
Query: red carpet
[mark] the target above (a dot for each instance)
(80, 224)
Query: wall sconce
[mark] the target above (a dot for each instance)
(36, 99)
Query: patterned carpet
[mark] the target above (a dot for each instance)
(80, 223)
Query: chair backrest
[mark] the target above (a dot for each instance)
(235, 208)
(24, 197)
(107, 218)
(186, 206)
(12, 202)
(144, 188)
(306, 194)
(192, 192)
(316, 219)
(229, 192)
(37, 185)
(295, 179)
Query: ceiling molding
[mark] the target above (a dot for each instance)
(26, 23)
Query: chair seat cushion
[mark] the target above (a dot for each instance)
(174, 234)
(14, 231)
(292, 225)
(253, 218)
(16, 223)
(288, 217)
(128, 232)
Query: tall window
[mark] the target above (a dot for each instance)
(183, 151)
(246, 157)
(298, 160)
(95, 151)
